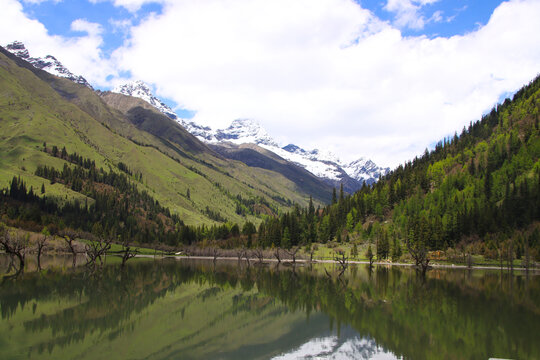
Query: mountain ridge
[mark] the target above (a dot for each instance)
(141, 90)
(49, 63)
(322, 164)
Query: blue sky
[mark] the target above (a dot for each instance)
(382, 79)
(442, 18)
(457, 17)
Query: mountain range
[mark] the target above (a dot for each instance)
(323, 164)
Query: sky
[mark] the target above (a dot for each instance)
(382, 79)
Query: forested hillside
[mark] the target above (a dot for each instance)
(478, 192)
(41, 115)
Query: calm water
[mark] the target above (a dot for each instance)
(197, 310)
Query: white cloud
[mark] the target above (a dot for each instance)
(83, 25)
(81, 54)
(122, 26)
(408, 13)
(328, 73)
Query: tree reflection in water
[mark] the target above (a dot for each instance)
(198, 309)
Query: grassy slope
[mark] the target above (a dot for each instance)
(32, 113)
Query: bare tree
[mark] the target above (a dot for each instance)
(259, 254)
(240, 253)
(419, 253)
(69, 238)
(127, 252)
(215, 254)
(246, 255)
(96, 250)
(292, 253)
(40, 244)
(277, 254)
(342, 260)
(327, 273)
(14, 244)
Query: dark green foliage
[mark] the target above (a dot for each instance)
(119, 208)
(484, 181)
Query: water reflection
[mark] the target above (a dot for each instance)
(349, 345)
(197, 309)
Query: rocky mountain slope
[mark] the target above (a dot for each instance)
(49, 63)
(141, 90)
(322, 164)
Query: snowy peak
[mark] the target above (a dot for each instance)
(315, 154)
(204, 133)
(18, 49)
(49, 63)
(245, 131)
(365, 170)
(142, 91)
(322, 164)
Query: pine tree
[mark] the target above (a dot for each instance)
(286, 239)
(311, 209)
(354, 251)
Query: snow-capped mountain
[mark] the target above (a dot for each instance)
(49, 63)
(241, 131)
(314, 161)
(246, 131)
(142, 91)
(365, 170)
(322, 164)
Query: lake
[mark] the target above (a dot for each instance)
(195, 309)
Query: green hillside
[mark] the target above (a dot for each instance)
(39, 111)
(475, 193)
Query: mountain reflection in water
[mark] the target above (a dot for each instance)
(189, 309)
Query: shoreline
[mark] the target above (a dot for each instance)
(355, 262)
